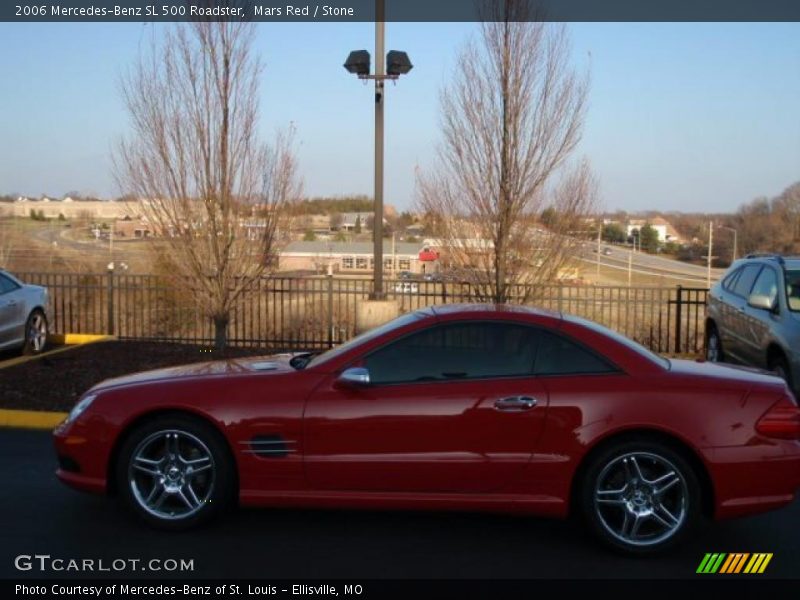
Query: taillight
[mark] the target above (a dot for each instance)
(782, 421)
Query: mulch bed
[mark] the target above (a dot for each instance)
(56, 382)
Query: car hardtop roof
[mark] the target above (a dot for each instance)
(478, 309)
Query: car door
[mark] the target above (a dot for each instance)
(735, 344)
(451, 408)
(12, 311)
(757, 322)
(720, 307)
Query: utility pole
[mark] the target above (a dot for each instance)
(710, 244)
(630, 267)
(394, 254)
(380, 72)
(599, 239)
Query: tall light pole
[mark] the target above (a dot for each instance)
(358, 63)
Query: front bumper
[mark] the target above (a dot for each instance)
(82, 459)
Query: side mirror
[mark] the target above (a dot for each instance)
(761, 301)
(354, 377)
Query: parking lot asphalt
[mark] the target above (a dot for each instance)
(41, 516)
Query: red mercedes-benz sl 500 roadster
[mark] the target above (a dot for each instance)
(471, 407)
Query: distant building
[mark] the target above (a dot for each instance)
(666, 232)
(356, 257)
(349, 221)
(133, 229)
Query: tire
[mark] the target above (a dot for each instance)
(621, 503)
(780, 366)
(175, 472)
(35, 333)
(714, 351)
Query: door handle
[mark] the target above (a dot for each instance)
(515, 403)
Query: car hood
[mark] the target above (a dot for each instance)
(724, 371)
(273, 364)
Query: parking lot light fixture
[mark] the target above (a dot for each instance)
(358, 63)
(389, 66)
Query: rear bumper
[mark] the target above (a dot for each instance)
(754, 479)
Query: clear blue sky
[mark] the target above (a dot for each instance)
(690, 117)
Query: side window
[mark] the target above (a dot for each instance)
(454, 352)
(560, 356)
(745, 282)
(730, 280)
(767, 284)
(6, 285)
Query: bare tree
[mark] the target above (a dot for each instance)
(218, 196)
(510, 119)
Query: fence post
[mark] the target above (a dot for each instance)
(110, 291)
(330, 310)
(678, 319)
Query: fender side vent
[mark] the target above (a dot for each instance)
(269, 446)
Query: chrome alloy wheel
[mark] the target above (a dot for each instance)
(37, 332)
(171, 474)
(641, 498)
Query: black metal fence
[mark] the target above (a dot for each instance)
(318, 312)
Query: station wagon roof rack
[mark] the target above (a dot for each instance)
(778, 257)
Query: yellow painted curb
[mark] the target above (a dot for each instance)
(30, 419)
(58, 339)
(78, 338)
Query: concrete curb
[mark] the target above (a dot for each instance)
(30, 419)
(70, 340)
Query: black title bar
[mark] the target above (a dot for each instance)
(396, 10)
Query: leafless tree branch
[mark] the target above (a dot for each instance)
(209, 186)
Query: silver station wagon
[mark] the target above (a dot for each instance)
(753, 316)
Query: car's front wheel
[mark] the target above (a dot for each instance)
(713, 345)
(640, 497)
(35, 333)
(175, 472)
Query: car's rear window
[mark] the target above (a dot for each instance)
(625, 341)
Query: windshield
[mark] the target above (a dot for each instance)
(625, 341)
(400, 321)
(793, 290)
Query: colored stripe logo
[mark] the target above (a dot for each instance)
(734, 563)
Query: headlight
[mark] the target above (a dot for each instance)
(81, 406)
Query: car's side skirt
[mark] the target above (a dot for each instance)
(549, 506)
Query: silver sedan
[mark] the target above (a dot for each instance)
(23, 315)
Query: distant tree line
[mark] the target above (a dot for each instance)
(326, 206)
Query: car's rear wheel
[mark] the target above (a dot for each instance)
(35, 333)
(175, 472)
(780, 366)
(713, 345)
(640, 497)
